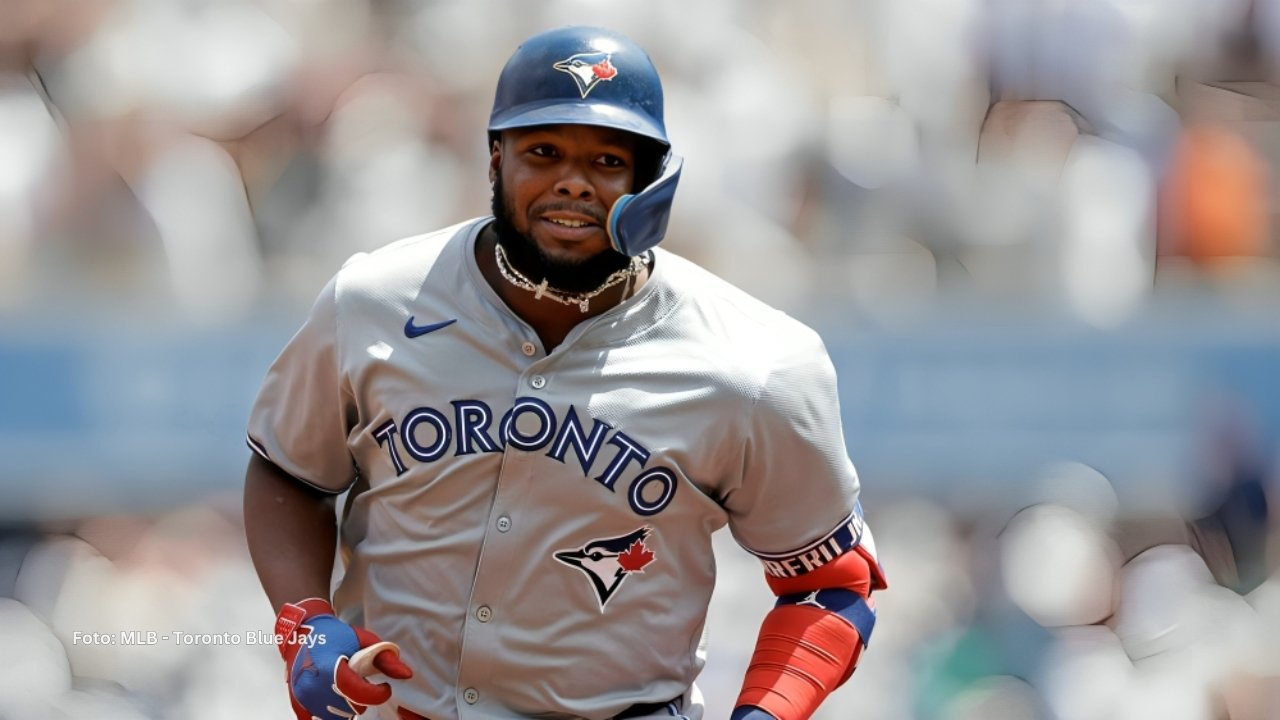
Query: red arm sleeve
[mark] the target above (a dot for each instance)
(810, 643)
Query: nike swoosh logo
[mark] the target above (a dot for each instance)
(413, 331)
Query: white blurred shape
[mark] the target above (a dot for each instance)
(389, 182)
(1156, 613)
(61, 580)
(1236, 640)
(30, 144)
(929, 52)
(29, 140)
(79, 704)
(227, 598)
(458, 39)
(194, 193)
(1188, 636)
(40, 672)
(1154, 34)
(1108, 242)
(1004, 211)
(762, 108)
(99, 77)
(228, 55)
(763, 99)
(169, 581)
(218, 67)
(1167, 32)
(146, 599)
(222, 59)
(1085, 673)
(1165, 696)
(1058, 566)
(206, 696)
(1265, 599)
(44, 572)
(871, 140)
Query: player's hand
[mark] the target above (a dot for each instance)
(327, 661)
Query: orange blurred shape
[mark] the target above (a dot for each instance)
(1214, 203)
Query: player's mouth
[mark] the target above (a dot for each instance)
(569, 226)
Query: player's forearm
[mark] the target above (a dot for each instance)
(291, 533)
(812, 640)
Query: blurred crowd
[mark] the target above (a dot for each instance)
(212, 156)
(1063, 610)
(212, 160)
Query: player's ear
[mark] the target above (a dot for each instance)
(495, 159)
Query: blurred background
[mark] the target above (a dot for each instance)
(1038, 236)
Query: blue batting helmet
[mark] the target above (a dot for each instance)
(593, 76)
(580, 76)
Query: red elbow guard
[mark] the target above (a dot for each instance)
(811, 642)
(802, 654)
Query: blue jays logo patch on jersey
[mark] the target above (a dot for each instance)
(588, 69)
(608, 561)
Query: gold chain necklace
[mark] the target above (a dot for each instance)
(540, 290)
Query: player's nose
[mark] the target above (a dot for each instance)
(574, 183)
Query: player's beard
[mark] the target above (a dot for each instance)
(574, 276)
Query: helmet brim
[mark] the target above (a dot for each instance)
(559, 112)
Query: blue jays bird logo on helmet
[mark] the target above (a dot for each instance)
(608, 561)
(588, 69)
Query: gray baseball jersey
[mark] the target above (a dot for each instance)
(534, 529)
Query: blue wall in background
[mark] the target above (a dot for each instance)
(117, 417)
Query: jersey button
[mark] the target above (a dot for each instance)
(471, 695)
(538, 382)
(504, 523)
(484, 614)
(528, 349)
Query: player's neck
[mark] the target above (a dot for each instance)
(551, 320)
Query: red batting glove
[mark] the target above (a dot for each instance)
(326, 661)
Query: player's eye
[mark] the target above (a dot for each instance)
(612, 161)
(546, 151)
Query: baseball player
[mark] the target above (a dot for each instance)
(531, 424)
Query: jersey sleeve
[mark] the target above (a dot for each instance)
(304, 409)
(796, 507)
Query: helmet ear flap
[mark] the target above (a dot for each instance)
(638, 222)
